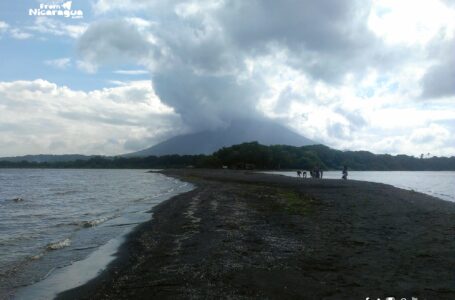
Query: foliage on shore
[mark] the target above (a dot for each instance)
(257, 156)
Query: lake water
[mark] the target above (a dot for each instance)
(50, 219)
(440, 184)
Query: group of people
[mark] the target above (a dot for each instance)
(317, 173)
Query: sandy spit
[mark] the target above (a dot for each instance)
(243, 235)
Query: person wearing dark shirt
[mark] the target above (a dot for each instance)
(345, 173)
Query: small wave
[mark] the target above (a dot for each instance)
(36, 257)
(63, 193)
(88, 223)
(59, 245)
(125, 224)
(95, 222)
(85, 248)
(67, 224)
(16, 199)
(140, 199)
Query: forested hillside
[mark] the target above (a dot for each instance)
(256, 156)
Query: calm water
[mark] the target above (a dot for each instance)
(63, 216)
(438, 184)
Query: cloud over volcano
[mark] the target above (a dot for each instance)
(368, 75)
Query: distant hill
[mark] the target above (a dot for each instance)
(207, 142)
(40, 158)
(259, 156)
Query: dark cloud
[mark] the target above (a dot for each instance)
(356, 120)
(324, 38)
(326, 25)
(439, 80)
(199, 60)
(198, 45)
(338, 131)
(113, 42)
(206, 101)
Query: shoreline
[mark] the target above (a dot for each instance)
(250, 235)
(428, 186)
(84, 242)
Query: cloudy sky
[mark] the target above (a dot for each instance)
(362, 75)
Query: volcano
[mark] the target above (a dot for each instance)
(240, 131)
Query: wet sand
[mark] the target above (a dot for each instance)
(246, 235)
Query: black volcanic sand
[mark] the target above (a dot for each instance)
(245, 235)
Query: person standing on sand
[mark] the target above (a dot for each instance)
(345, 173)
(298, 173)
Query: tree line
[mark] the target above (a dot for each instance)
(256, 156)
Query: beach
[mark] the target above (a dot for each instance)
(241, 234)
